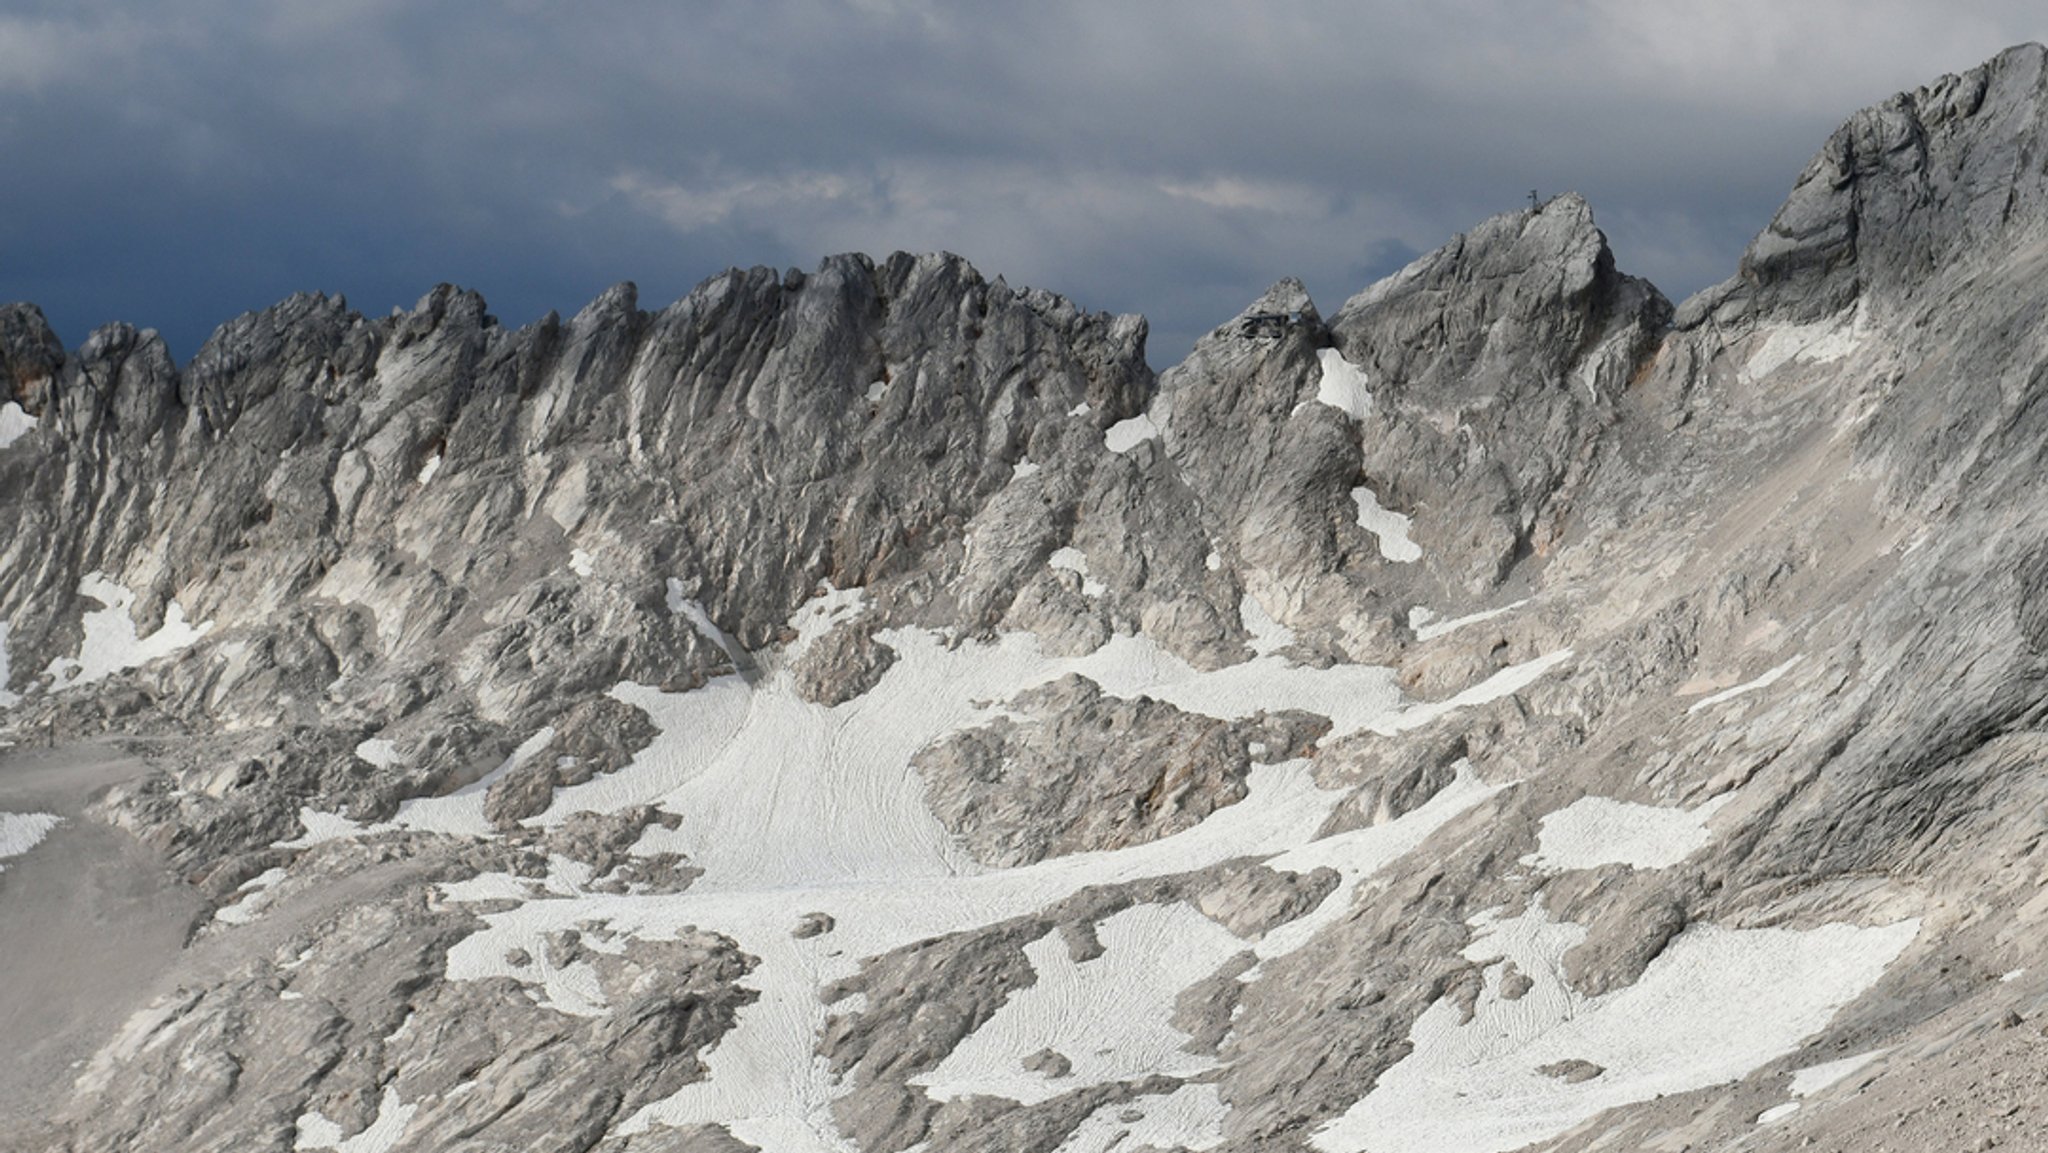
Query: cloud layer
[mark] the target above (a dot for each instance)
(173, 164)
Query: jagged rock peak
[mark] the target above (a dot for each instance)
(1466, 317)
(1928, 177)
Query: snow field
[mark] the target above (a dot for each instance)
(1388, 527)
(1714, 1006)
(20, 832)
(1595, 831)
(1342, 385)
(111, 644)
(791, 807)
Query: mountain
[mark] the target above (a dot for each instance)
(868, 709)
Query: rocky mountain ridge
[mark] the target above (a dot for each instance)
(868, 709)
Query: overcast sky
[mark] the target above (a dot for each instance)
(175, 163)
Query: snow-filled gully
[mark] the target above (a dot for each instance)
(792, 808)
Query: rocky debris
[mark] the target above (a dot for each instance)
(812, 925)
(1571, 1072)
(1081, 771)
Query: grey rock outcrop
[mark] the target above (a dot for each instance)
(1711, 624)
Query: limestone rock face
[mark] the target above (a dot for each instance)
(868, 708)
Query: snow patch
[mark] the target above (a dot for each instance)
(1080, 409)
(1777, 1113)
(1108, 1016)
(7, 699)
(1022, 469)
(877, 390)
(1125, 435)
(321, 827)
(461, 813)
(1595, 831)
(111, 644)
(2014, 975)
(255, 897)
(315, 1131)
(1763, 682)
(380, 752)
(1073, 560)
(15, 423)
(1428, 628)
(1213, 562)
(1343, 385)
(580, 563)
(1268, 636)
(20, 832)
(1714, 1006)
(1388, 527)
(428, 469)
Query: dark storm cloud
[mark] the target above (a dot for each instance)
(175, 163)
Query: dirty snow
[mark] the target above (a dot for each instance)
(1109, 1016)
(1763, 682)
(111, 644)
(315, 1131)
(15, 423)
(1343, 385)
(693, 611)
(1125, 435)
(1388, 527)
(255, 897)
(1190, 1117)
(1822, 342)
(1073, 560)
(1595, 831)
(20, 832)
(1715, 1005)
(1814, 1078)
